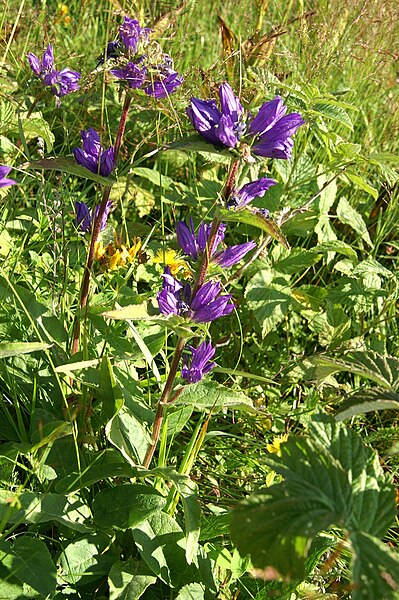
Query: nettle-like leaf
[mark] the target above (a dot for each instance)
(330, 479)
(368, 400)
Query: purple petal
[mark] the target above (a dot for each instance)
(132, 73)
(86, 160)
(255, 189)
(48, 59)
(268, 114)
(219, 307)
(205, 294)
(232, 255)
(225, 132)
(186, 239)
(200, 362)
(91, 142)
(229, 103)
(163, 87)
(107, 162)
(83, 217)
(105, 216)
(34, 63)
(168, 303)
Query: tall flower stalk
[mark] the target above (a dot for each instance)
(98, 220)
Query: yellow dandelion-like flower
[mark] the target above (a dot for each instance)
(274, 447)
(116, 254)
(170, 259)
(62, 9)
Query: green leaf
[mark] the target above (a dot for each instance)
(153, 176)
(334, 112)
(375, 569)
(67, 165)
(128, 580)
(38, 127)
(207, 394)
(196, 143)
(30, 507)
(349, 216)
(362, 184)
(269, 299)
(383, 370)
(109, 392)
(252, 216)
(31, 563)
(87, 559)
(192, 591)
(297, 261)
(17, 348)
(128, 433)
(126, 506)
(368, 400)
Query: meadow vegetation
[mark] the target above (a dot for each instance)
(211, 410)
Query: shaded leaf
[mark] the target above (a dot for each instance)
(17, 348)
(206, 394)
(375, 569)
(67, 165)
(128, 580)
(368, 400)
(254, 217)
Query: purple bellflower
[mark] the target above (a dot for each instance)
(194, 245)
(4, 181)
(62, 82)
(84, 219)
(207, 305)
(130, 33)
(249, 191)
(132, 73)
(220, 127)
(160, 88)
(200, 363)
(93, 156)
(272, 129)
(269, 134)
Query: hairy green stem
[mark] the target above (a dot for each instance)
(85, 287)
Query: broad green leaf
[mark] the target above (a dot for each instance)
(128, 580)
(30, 507)
(383, 370)
(126, 506)
(368, 400)
(334, 112)
(269, 299)
(38, 127)
(373, 267)
(31, 563)
(255, 218)
(196, 143)
(87, 559)
(207, 394)
(362, 184)
(375, 569)
(128, 433)
(373, 497)
(297, 261)
(192, 591)
(109, 392)
(153, 176)
(340, 247)
(67, 165)
(17, 348)
(349, 216)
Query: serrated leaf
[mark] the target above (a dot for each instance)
(375, 569)
(17, 348)
(297, 260)
(67, 165)
(206, 394)
(153, 176)
(87, 559)
(126, 506)
(257, 219)
(349, 216)
(192, 591)
(368, 400)
(384, 370)
(334, 112)
(128, 580)
(269, 300)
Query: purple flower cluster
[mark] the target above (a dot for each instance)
(60, 83)
(206, 306)
(194, 245)
(93, 156)
(138, 70)
(199, 364)
(84, 219)
(269, 134)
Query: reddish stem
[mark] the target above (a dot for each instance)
(85, 287)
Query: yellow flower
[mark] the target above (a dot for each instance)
(170, 259)
(62, 9)
(274, 447)
(117, 254)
